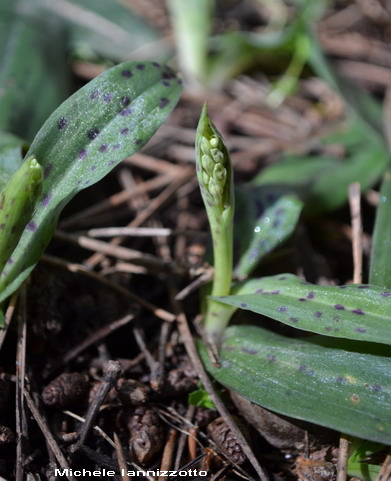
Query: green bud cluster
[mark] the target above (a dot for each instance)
(214, 173)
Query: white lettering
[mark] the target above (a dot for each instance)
(98, 473)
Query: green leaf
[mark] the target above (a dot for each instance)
(322, 181)
(380, 265)
(17, 202)
(33, 67)
(359, 460)
(264, 219)
(360, 312)
(326, 383)
(363, 471)
(107, 120)
(200, 398)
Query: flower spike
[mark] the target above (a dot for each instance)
(215, 176)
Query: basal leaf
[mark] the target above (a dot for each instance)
(327, 384)
(107, 120)
(380, 266)
(360, 312)
(264, 219)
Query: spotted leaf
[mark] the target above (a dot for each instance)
(265, 217)
(360, 312)
(324, 381)
(108, 119)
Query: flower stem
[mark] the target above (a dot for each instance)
(215, 176)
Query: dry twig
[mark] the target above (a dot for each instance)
(112, 374)
(343, 455)
(355, 209)
(48, 435)
(168, 453)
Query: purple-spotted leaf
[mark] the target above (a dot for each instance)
(264, 219)
(108, 119)
(325, 381)
(17, 202)
(360, 312)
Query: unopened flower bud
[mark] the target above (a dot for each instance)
(205, 145)
(219, 173)
(214, 142)
(217, 155)
(214, 167)
(207, 164)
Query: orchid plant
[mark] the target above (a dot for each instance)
(340, 377)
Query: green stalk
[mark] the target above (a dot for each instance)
(215, 176)
(192, 24)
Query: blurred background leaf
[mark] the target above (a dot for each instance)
(322, 181)
(34, 75)
(107, 29)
